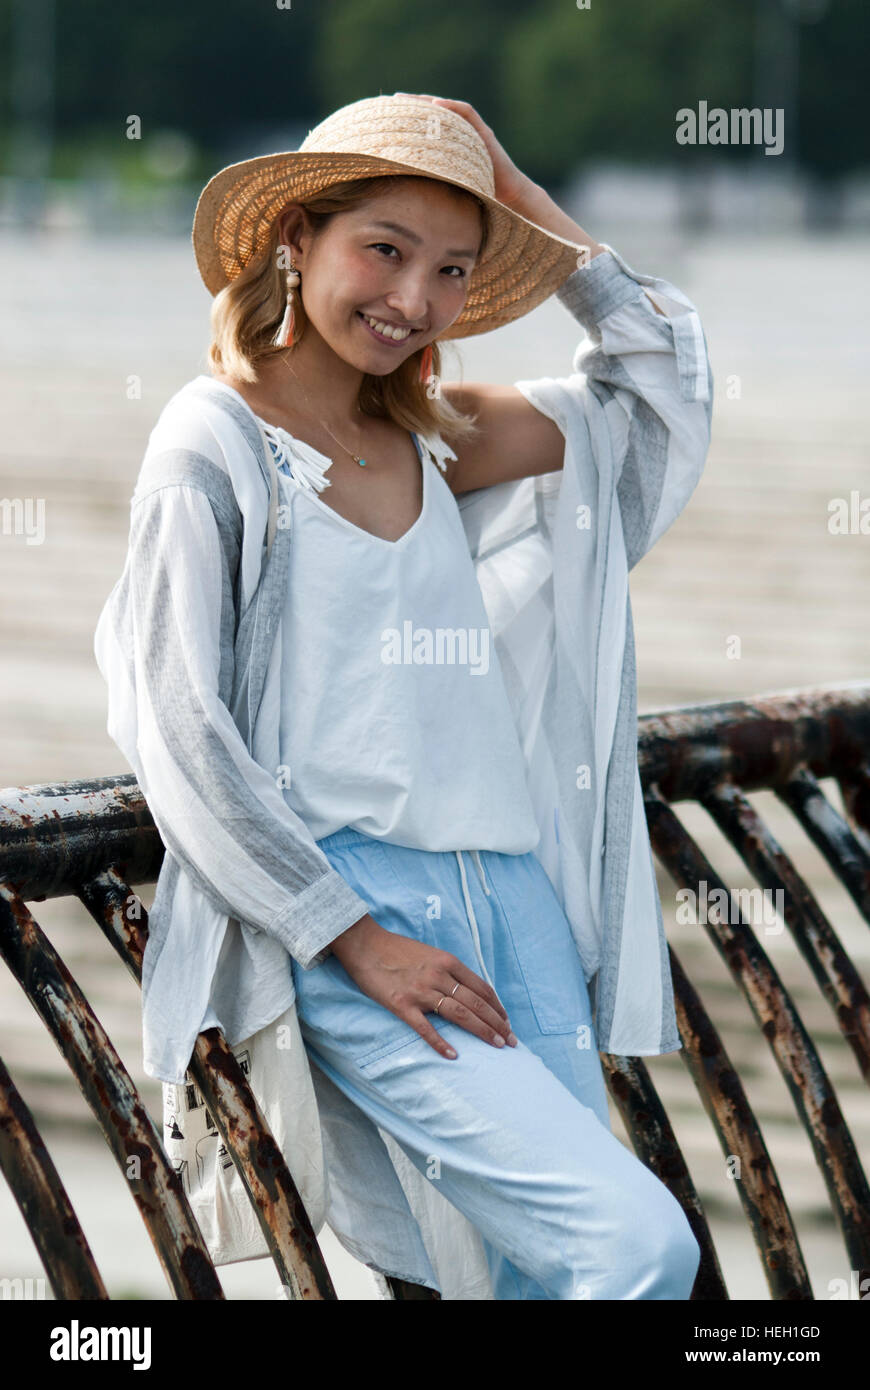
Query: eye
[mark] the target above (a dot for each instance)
(462, 273)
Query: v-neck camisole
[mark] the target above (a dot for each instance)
(394, 714)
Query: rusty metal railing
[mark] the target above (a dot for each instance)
(95, 840)
(714, 755)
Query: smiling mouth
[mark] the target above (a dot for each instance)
(385, 332)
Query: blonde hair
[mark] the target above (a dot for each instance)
(246, 313)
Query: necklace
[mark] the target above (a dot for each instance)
(356, 458)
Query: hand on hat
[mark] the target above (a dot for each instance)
(511, 184)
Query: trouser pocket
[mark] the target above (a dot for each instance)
(543, 943)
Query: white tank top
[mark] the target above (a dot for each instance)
(395, 719)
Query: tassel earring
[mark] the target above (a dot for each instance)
(284, 336)
(426, 364)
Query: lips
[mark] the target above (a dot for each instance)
(383, 337)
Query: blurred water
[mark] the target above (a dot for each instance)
(751, 556)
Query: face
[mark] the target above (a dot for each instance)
(402, 260)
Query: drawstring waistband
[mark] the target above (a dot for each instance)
(475, 854)
(469, 910)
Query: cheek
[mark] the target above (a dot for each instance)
(452, 300)
(351, 281)
(351, 268)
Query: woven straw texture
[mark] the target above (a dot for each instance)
(521, 266)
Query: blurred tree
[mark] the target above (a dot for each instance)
(196, 67)
(834, 71)
(452, 48)
(557, 83)
(608, 81)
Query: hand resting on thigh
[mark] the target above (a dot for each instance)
(409, 978)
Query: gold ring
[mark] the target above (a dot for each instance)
(440, 1002)
(455, 988)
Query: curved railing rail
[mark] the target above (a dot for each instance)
(95, 840)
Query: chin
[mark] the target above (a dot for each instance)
(378, 368)
(381, 370)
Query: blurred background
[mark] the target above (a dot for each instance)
(114, 117)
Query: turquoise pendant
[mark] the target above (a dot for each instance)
(361, 462)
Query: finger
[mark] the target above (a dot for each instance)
(482, 1021)
(420, 1023)
(427, 96)
(467, 110)
(495, 1022)
(492, 1021)
(461, 972)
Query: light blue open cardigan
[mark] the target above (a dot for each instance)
(189, 644)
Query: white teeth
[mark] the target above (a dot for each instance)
(387, 329)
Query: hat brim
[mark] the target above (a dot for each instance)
(521, 266)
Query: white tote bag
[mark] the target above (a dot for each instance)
(276, 1066)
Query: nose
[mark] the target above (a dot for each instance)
(409, 300)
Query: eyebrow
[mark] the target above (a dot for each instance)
(412, 236)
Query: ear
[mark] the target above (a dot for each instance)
(291, 223)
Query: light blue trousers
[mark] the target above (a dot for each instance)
(522, 1135)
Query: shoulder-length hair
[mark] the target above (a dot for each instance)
(247, 312)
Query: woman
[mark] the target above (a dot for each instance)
(341, 660)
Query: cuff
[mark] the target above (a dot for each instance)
(316, 916)
(594, 291)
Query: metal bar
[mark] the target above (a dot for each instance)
(267, 1179)
(831, 834)
(739, 1135)
(42, 1198)
(756, 743)
(54, 836)
(656, 1145)
(99, 832)
(106, 1086)
(795, 1054)
(855, 790)
(816, 939)
(57, 835)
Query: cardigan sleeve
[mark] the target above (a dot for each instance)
(648, 377)
(159, 644)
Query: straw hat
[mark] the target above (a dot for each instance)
(522, 263)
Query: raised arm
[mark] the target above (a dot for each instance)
(644, 387)
(641, 377)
